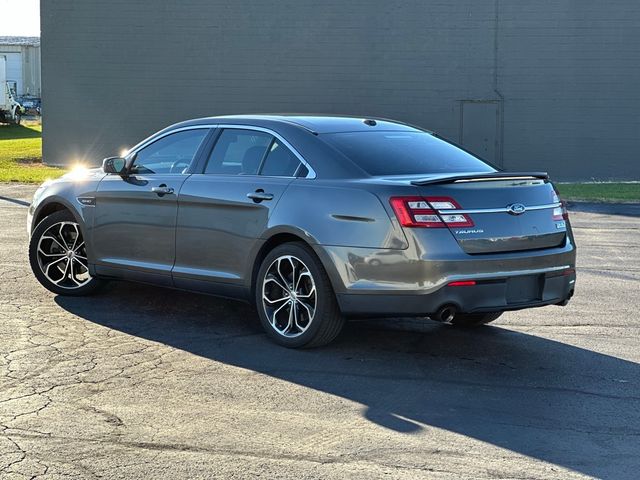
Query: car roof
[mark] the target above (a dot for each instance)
(317, 124)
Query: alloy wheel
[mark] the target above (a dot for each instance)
(62, 255)
(289, 296)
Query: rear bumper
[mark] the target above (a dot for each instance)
(414, 282)
(489, 295)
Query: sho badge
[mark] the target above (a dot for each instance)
(88, 201)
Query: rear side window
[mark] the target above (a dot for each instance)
(404, 153)
(280, 161)
(238, 152)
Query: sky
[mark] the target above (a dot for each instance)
(20, 18)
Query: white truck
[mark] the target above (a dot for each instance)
(10, 109)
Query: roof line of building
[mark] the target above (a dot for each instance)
(20, 41)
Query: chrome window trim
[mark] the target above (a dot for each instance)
(501, 210)
(148, 141)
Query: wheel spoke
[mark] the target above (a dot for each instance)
(46, 237)
(72, 275)
(309, 309)
(274, 316)
(293, 318)
(308, 295)
(75, 240)
(42, 252)
(299, 317)
(61, 235)
(282, 278)
(277, 300)
(271, 278)
(293, 273)
(65, 274)
(75, 259)
(304, 274)
(49, 265)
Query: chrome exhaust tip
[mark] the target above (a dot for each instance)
(446, 313)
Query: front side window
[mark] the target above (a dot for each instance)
(170, 154)
(238, 152)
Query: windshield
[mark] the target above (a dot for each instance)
(404, 153)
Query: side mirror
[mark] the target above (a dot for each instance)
(115, 165)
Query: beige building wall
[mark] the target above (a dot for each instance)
(30, 80)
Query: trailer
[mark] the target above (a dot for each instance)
(10, 109)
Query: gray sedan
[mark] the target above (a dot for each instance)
(314, 219)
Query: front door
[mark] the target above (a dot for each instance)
(224, 211)
(135, 220)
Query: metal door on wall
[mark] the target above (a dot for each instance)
(480, 129)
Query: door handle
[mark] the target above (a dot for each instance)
(162, 190)
(259, 195)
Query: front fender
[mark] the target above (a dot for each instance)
(64, 194)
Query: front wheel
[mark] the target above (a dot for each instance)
(474, 319)
(294, 298)
(58, 256)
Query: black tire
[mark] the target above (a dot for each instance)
(474, 319)
(89, 285)
(327, 321)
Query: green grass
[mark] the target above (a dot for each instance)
(600, 192)
(21, 155)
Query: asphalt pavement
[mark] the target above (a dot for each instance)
(143, 382)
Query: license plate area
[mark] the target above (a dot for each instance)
(527, 288)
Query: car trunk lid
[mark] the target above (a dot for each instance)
(497, 212)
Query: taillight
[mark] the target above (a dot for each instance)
(559, 213)
(415, 212)
(427, 212)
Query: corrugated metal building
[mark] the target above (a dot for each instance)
(546, 85)
(23, 63)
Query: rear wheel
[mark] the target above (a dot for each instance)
(58, 256)
(474, 319)
(294, 298)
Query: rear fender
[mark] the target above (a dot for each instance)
(329, 214)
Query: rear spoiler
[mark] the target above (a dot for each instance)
(478, 177)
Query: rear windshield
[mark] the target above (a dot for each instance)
(404, 153)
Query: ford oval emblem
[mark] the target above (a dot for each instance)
(516, 209)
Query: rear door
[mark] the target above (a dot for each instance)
(135, 219)
(224, 210)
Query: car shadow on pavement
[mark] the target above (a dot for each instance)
(558, 403)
